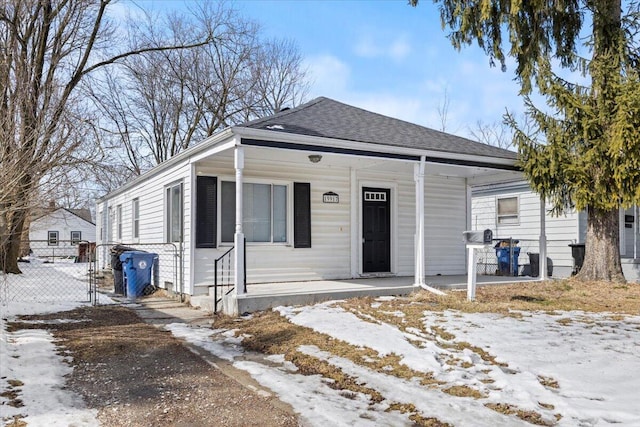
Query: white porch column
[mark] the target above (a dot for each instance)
(419, 236)
(354, 223)
(636, 212)
(239, 235)
(542, 264)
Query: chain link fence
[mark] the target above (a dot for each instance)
(521, 257)
(52, 270)
(79, 271)
(164, 269)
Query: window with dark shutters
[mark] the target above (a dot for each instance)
(206, 212)
(301, 215)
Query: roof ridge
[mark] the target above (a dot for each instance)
(284, 112)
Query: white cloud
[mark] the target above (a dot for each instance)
(329, 75)
(369, 47)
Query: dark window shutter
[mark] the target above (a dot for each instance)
(206, 211)
(301, 215)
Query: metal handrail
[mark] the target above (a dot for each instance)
(221, 260)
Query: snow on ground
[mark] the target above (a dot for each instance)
(595, 359)
(28, 358)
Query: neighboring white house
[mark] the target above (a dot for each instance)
(329, 191)
(512, 210)
(57, 232)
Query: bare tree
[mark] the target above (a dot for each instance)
(498, 134)
(49, 48)
(160, 103)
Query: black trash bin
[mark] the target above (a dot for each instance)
(116, 268)
(534, 262)
(577, 252)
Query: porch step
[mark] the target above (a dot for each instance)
(249, 303)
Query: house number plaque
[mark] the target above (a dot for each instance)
(330, 197)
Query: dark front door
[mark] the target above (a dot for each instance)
(376, 230)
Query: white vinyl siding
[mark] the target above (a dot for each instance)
(63, 223)
(152, 225)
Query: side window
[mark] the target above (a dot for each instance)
(119, 222)
(507, 210)
(135, 218)
(173, 213)
(52, 238)
(76, 236)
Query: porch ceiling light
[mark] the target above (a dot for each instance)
(315, 158)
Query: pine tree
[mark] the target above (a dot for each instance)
(585, 152)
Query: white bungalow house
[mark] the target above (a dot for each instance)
(323, 191)
(511, 209)
(56, 232)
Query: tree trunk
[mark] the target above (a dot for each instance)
(602, 248)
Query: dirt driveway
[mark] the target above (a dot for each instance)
(136, 374)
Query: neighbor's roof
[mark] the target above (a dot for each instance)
(82, 213)
(324, 117)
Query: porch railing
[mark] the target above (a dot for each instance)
(224, 278)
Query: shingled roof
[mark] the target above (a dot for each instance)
(324, 117)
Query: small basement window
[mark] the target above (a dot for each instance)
(507, 210)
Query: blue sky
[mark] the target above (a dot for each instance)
(388, 57)
(391, 58)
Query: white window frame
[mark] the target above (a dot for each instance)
(508, 218)
(135, 218)
(53, 238)
(170, 232)
(75, 241)
(288, 211)
(119, 222)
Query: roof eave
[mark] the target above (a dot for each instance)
(276, 136)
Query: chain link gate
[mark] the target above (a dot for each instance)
(52, 270)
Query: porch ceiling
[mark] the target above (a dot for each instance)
(481, 175)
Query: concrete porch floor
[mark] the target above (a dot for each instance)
(269, 295)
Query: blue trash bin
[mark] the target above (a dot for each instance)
(504, 255)
(137, 267)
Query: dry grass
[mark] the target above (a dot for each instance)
(562, 295)
(531, 417)
(270, 333)
(418, 420)
(464, 391)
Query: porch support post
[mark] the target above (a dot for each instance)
(355, 225)
(419, 236)
(636, 210)
(543, 240)
(238, 238)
